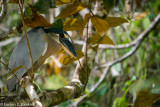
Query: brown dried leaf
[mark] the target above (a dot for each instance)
(36, 20)
(13, 1)
(141, 15)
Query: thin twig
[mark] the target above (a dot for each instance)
(3, 10)
(107, 66)
(26, 36)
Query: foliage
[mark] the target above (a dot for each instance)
(131, 82)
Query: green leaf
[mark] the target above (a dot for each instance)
(58, 24)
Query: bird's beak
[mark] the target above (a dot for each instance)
(67, 46)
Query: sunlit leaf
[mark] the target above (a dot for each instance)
(61, 2)
(94, 39)
(97, 39)
(141, 15)
(86, 19)
(69, 59)
(105, 40)
(101, 25)
(72, 24)
(115, 21)
(72, 9)
(36, 20)
(13, 1)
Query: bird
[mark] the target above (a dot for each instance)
(43, 43)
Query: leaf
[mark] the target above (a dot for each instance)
(13, 1)
(141, 15)
(61, 2)
(86, 19)
(94, 39)
(115, 21)
(72, 24)
(97, 39)
(13, 71)
(58, 24)
(105, 40)
(145, 98)
(101, 25)
(69, 59)
(36, 20)
(72, 9)
(42, 6)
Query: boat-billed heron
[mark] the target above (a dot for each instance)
(42, 44)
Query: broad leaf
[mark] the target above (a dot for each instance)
(86, 19)
(115, 21)
(69, 59)
(105, 40)
(61, 2)
(36, 20)
(58, 24)
(72, 9)
(145, 98)
(72, 24)
(94, 39)
(13, 1)
(101, 25)
(141, 15)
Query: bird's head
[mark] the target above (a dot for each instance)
(65, 42)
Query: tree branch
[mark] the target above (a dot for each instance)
(107, 66)
(3, 10)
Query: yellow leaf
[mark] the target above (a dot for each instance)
(115, 21)
(36, 20)
(105, 40)
(94, 39)
(13, 1)
(141, 15)
(101, 25)
(61, 2)
(86, 19)
(69, 59)
(72, 24)
(97, 39)
(72, 9)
